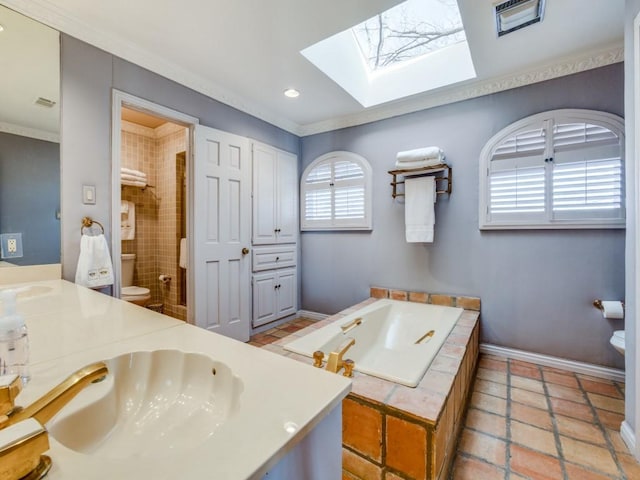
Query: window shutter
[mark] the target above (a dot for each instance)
(517, 191)
(558, 169)
(335, 189)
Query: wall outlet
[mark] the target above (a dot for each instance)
(10, 245)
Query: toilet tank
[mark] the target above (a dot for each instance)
(128, 262)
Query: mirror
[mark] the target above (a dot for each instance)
(29, 138)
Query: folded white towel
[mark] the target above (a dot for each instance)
(133, 178)
(419, 164)
(94, 263)
(129, 171)
(184, 258)
(133, 183)
(420, 154)
(419, 212)
(128, 222)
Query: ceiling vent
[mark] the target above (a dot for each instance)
(516, 14)
(44, 102)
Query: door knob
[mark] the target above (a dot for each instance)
(245, 250)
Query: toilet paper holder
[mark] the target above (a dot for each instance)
(598, 304)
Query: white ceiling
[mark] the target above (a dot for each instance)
(246, 53)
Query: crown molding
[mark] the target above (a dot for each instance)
(59, 19)
(155, 133)
(168, 129)
(136, 129)
(567, 66)
(29, 132)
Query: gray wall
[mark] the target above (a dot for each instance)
(536, 286)
(632, 8)
(30, 196)
(87, 78)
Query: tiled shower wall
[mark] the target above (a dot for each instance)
(170, 218)
(158, 209)
(139, 152)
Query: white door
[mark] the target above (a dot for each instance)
(264, 194)
(286, 288)
(265, 298)
(287, 198)
(222, 229)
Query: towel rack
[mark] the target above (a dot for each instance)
(87, 222)
(421, 172)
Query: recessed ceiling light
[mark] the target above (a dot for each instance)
(1, 28)
(291, 93)
(515, 14)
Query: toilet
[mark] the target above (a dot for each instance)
(617, 340)
(129, 292)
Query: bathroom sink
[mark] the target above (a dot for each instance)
(150, 404)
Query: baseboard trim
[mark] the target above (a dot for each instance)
(628, 436)
(312, 315)
(555, 362)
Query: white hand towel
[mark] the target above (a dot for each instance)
(419, 164)
(133, 183)
(184, 258)
(419, 212)
(129, 171)
(133, 178)
(94, 264)
(420, 158)
(425, 153)
(124, 207)
(128, 222)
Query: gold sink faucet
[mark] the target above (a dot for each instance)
(52, 402)
(335, 362)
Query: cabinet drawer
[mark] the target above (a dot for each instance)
(268, 258)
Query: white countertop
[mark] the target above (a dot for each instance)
(71, 326)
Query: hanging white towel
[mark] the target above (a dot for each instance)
(94, 264)
(184, 258)
(128, 222)
(124, 207)
(419, 212)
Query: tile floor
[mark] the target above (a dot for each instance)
(527, 421)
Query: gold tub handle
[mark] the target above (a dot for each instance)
(428, 335)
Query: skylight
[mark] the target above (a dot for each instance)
(416, 46)
(409, 30)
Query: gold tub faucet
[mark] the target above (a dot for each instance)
(335, 362)
(52, 402)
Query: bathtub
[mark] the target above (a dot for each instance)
(386, 338)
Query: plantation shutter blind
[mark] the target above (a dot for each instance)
(587, 171)
(517, 176)
(335, 194)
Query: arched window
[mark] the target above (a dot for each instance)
(335, 193)
(557, 169)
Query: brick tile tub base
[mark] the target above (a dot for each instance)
(393, 432)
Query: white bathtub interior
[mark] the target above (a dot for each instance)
(386, 339)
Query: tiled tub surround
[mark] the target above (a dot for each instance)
(395, 432)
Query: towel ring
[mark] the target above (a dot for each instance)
(88, 222)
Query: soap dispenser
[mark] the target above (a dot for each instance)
(14, 343)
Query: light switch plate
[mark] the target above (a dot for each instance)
(89, 194)
(10, 245)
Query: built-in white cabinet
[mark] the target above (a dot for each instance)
(275, 234)
(275, 196)
(274, 295)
